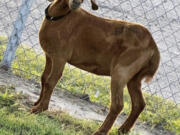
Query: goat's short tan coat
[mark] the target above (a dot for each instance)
(123, 50)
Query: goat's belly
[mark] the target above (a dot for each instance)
(93, 68)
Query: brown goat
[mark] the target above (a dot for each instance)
(123, 50)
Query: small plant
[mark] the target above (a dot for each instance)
(6, 97)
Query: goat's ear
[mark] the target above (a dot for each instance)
(94, 5)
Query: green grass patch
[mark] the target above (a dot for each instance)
(158, 113)
(16, 119)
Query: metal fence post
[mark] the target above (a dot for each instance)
(14, 39)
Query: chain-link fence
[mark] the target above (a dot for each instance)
(161, 17)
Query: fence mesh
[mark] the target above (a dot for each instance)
(161, 17)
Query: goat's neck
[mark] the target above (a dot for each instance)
(56, 9)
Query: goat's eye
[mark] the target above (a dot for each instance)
(65, 6)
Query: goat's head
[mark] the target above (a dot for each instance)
(74, 4)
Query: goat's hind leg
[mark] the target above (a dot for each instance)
(126, 67)
(44, 76)
(139, 69)
(138, 103)
(117, 84)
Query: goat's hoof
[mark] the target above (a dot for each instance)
(99, 133)
(38, 108)
(36, 103)
(122, 131)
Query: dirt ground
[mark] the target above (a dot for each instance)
(65, 101)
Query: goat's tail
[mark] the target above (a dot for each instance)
(151, 67)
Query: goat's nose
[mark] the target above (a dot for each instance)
(76, 3)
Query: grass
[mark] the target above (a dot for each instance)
(159, 112)
(16, 119)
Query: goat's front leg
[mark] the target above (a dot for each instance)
(55, 74)
(117, 85)
(44, 76)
